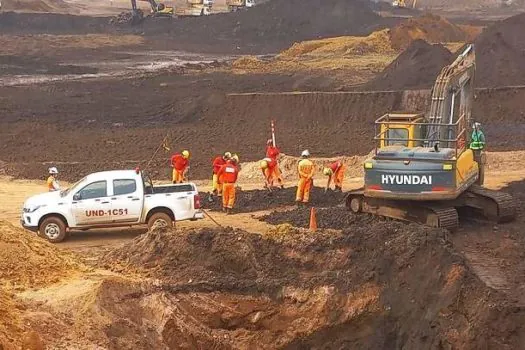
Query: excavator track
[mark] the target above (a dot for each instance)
(429, 214)
(493, 205)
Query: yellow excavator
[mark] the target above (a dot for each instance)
(424, 169)
(157, 10)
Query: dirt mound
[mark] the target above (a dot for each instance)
(417, 67)
(370, 287)
(337, 218)
(500, 54)
(429, 27)
(256, 200)
(29, 261)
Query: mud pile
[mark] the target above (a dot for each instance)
(500, 54)
(29, 261)
(256, 200)
(415, 68)
(429, 27)
(376, 285)
(336, 218)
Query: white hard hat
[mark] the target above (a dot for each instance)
(476, 125)
(305, 153)
(53, 170)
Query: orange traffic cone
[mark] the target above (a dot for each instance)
(313, 220)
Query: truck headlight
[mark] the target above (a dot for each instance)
(369, 165)
(33, 208)
(447, 166)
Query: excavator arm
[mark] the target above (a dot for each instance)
(452, 97)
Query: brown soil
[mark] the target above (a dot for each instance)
(416, 67)
(429, 27)
(500, 54)
(371, 287)
(28, 261)
(117, 127)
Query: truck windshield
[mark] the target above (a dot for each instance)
(67, 190)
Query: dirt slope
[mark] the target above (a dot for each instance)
(373, 286)
(500, 54)
(416, 67)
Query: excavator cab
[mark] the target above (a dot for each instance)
(400, 130)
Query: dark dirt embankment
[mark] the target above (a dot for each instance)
(415, 68)
(115, 124)
(500, 53)
(269, 27)
(500, 60)
(373, 286)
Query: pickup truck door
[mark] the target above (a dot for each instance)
(127, 201)
(91, 205)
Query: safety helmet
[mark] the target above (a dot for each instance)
(263, 164)
(476, 125)
(305, 153)
(186, 154)
(269, 142)
(53, 170)
(227, 155)
(327, 171)
(235, 158)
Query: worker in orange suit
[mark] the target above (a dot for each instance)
(306, 171)
(273, 152)
(336, 172)
(180, 163)
(228, 177)
(218, 162)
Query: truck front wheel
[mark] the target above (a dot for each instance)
(53, 229)
(159, 220)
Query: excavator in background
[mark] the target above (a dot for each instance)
(195, 8)
(235, 5)
(157, 10)
(402, 4)
(422, 169)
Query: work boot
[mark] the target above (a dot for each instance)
(338, 189)
(224, 209)
(298, 203)
(229, 211)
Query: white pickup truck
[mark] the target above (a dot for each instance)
(118, 198)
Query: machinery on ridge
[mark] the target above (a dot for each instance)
(423, 169)
(157, 10)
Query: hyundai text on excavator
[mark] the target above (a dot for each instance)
(422, 169)
(157, 10)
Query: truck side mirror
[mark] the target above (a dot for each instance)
(77, 197)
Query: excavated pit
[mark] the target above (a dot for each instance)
(382, 285)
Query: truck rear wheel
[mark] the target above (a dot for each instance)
(159, 220)
(53, 229)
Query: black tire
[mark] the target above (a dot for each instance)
(53, 229)
(356, 204)
(160, 220)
